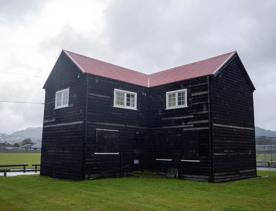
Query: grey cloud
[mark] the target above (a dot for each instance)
(69, 39)
(20, 82)
(19, 116)
(16, 10)
(164, 33)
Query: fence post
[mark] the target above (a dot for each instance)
(24, 168)
(271, 154)
(265, 158)
(120, 164)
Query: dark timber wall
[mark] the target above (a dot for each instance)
(232, 113)
(63, 129)
(111, 129)
(148, 133)
(180, 134)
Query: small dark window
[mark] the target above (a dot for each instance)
(107, 141)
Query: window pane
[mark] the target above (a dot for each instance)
(120, 98)
(130, 100)
(181, 98)
(58, 99)
(65, 98)
(172, 100)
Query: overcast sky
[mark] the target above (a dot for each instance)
(145, 35)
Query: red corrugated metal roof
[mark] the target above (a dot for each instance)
(202, 68)
(104, 69)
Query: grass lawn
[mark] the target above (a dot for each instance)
(146, 192)
(19, 158)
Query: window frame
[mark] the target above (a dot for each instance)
(125, 92)
(62, 93)
(176, 99)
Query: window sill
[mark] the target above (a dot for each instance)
(177, 107)
(123, 107)
(56, 108)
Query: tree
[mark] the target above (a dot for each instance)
(26, 141)
(16, 145)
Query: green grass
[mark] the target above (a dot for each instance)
(136, 193)
(19, 158)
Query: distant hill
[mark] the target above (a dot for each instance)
(34, 133)
(263, 132)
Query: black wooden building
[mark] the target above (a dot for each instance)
(104, 120)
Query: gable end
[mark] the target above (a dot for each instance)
(236, 58)
(63, 65)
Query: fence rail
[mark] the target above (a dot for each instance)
(19, 168)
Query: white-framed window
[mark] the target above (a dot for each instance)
(176, 99)
(125, 99)
(62, 98)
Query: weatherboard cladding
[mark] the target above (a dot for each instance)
(197, 69)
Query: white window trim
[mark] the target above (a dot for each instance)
(176, 106)
(125, 106)
(65, 105)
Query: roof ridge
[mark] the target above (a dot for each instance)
(231, 54)
(74, 61)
